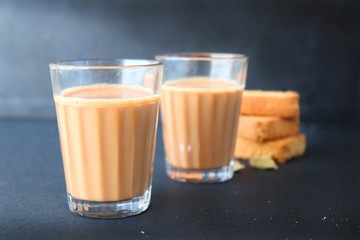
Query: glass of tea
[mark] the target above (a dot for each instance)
(107, 114)
(200, 105)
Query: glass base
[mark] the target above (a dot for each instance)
(200, 175)
(108, 210)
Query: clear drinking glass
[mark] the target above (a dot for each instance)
(200, 105)
(107, 113)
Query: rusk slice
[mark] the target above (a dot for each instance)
(263, 128)
(270, 103)
(281, 150)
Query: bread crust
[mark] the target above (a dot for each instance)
(280, 150)
(283, 104)
(264, 128)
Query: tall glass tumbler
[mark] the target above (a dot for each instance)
(107, 113)
(200, 105)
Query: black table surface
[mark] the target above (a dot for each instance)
(316, 196)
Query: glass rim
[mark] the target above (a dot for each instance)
(71, 64)
(201, 56)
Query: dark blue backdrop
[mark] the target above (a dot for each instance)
(308, 46)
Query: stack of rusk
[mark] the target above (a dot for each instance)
(269, 126)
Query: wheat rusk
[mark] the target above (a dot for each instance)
(283, 104)
(281, 150)
(263, 128)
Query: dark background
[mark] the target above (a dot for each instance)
(309, 46)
